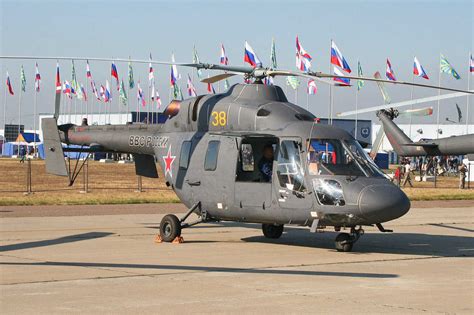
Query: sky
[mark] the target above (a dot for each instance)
(369, 31)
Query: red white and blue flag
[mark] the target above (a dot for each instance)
(389, 72)
(342, 81)
(107, 93)
(158, 99)
(191, 88)
(94, 90)
(58, 80)
(151, 74)
(251, 57)
(114, 73)
(84, 95)
(224, 59)
(140, 96)
(88, 70)
(418, 69)
(268, 81)
(303, 59)
(102, 93)
(471, 65)
(312, 88)
(338, 59)
(67, 88)
(9, 85)
(37, 78)
(210, 88)
(174, 72)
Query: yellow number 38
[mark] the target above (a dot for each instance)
(219, 119)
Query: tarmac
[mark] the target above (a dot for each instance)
(109, 263)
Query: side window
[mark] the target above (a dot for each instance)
(290, 171)
(184, 155)
(248, 163)
(210, 161)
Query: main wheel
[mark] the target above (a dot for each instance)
(170, 228)
(343, 242)
(272, 230)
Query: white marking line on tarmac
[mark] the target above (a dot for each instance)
(465, 249)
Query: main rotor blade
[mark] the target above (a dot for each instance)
(325, 75)
(426, 111)
(209, 66)
(400, 104)
(274, 73)
(218, 78)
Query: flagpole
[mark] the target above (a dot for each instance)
(148, 105)
(330, 89)
(356, 130)
(439, 94)
(307, 98)
(411, 107)
(4, 112)
(128, 103)
(19, 117)
(467, 96)
(34, 121)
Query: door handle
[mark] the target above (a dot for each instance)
(196, 183)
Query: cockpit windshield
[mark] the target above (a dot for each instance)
(339, 157)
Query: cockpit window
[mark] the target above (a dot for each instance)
(290, 171)
(336, 157)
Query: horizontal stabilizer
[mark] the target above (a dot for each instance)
(55, 162)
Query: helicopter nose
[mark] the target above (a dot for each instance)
(381, 203)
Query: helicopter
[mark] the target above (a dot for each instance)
(246, 155)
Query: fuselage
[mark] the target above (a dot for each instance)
(212, 152)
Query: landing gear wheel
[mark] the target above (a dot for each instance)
(170, 228)
(344, 242)
(272, 230)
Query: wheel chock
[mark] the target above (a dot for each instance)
(158, 239)
(178, 240)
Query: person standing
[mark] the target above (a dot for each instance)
(407, 177)
(462, 176)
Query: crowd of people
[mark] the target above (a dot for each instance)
(430, 166)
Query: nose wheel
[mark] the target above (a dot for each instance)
(345, 241)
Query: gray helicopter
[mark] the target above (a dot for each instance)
(246, 155)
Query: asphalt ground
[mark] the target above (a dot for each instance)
(103, 259)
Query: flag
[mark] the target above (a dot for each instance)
(226, 84)
(303, 59)
(471, 64)
(151, 75)
(67, 88)
(131, 82)
(268, 81)
(94, 90)
(84, 93)
(9, 85)
(338, 59)
(114, 73)
(251, 57)
(58, 79)
(23, 79)
(312, 88)
(210, 88)
(152, 94)
(191, 88)
(342, 81)
(273, 56)
(174, 72)
(446, 67)
(176, 92)
(140, 97)
(88, 70)
(389, 72)
(79, 94)
(418, 69)
(102, 93)
(360, 83)
(224, 59)
(37, 78)
(74, 85)
(122, 94)
(196, 60)
(108, 93)
(158, 100)
(459, 112)
(292, 81)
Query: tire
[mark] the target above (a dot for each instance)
(170, 228)
(272, 231)
(343, 243)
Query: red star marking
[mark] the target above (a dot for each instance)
(169, 159)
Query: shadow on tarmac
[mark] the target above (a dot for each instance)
(56, 241)
(207, 269)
